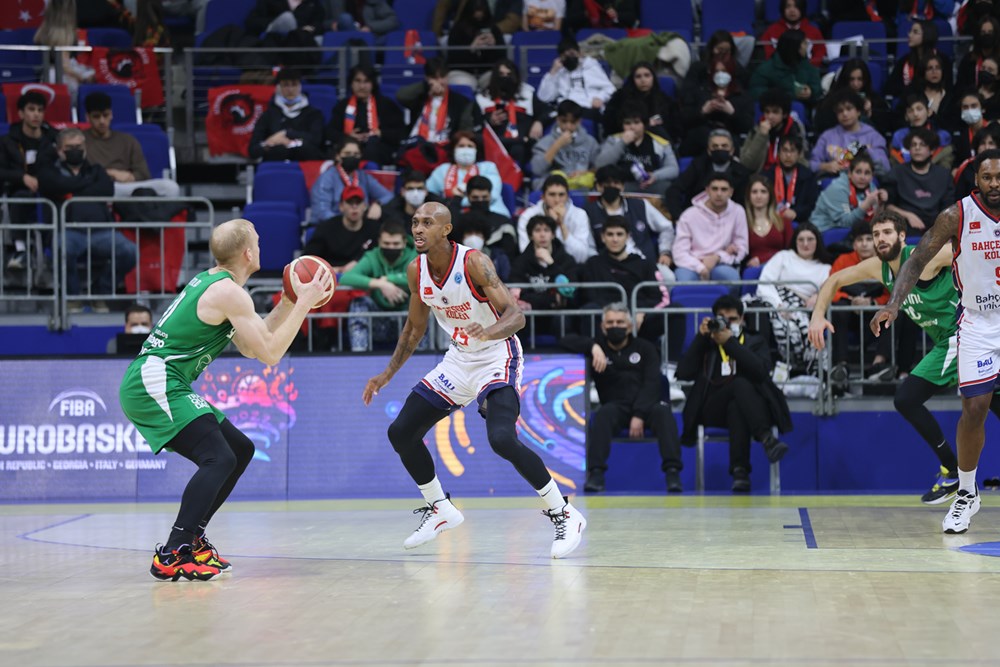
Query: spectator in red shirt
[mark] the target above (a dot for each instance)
(793, 17)
(769, 232)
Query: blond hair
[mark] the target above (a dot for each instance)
(772, 211)
(58, 25)
(230, 239)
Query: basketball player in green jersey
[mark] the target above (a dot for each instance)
(932, 306)
(156, 391)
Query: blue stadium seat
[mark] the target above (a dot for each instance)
(612, 33)
(124, 110)
(156, 148)
(750, 273)
(835, 235)
(220, 13)
(772, 9)
(668, 86)
(415, 14)
(19, 65)
(4, 129)
(464, 91)
(3, 110)
(321, 96)
(731, 15)
(283, 185)
(509, 197)
(870, 31)
(398, 70)
(684, 162)
(538, 54)
(695, 296)
(340, 39)
(658, 15)
(876, 68)
(112, 38)
(279, 223)
(945, 46)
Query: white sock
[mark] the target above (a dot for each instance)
(552, 496)
(432, 491)
(967, 480)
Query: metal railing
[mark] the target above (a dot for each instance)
(33, 285)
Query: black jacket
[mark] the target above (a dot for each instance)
(635, 212)
(57, 183)
(694, 179)
(633, 374)
(307, 126)
(390, 121)
(13, 149)
(526, 269)
(628, 272)
(308, 13)
(806, 191)
(414, 97)
(702, 363)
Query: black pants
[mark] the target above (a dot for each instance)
(501, 408)
(739, 407)
(221, 453)
(609, 419)
(845, 322)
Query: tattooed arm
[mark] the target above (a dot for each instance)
(944, 229)
(413, 331)
(487, 283)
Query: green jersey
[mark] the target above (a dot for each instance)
(932, 304)
(156, 391)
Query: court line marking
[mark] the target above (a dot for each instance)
(806, 527)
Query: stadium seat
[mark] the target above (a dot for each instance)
(509, 197)
(715, 434)
(340, 39)
(321, 96)
(220, 13)
(156, 148)
(750, 273)
(658, 15)
(60, 107)
(668, 86)
(876, 68)
(279, 223)
(416, 14)
(945, 45)
(123, 107)
(282, 185)
(112, 38)
(736, 16)
(534, 52)
(399, 69)
(3, 110)
(465, 91)
(19, 65)
(695, 296)
(835, 235)
(4, 129)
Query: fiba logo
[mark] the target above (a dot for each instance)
(78, 403)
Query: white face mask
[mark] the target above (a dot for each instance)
(972, 116)
(465, 156)
(721, 79)
(475, 242)
(735, 329)
(139, 329)
(415, 197)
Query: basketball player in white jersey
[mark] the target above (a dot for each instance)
(483, 364)
(973, 227)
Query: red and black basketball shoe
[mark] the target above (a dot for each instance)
(206, 554)
(173, 565)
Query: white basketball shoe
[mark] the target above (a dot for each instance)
(963, 508)
(438, 517)
(569, 525)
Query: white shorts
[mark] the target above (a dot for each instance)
(463, 377)
(978, 351)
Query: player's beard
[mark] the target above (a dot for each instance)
(892, 253)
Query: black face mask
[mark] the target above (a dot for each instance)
(481, 206)
(570, 62)
(350, 163)
(986, 79)
(983, 41)
(391, 254)
(720, 157)
(505, 86)
(74, 156)
(611, 194)
(616, 335)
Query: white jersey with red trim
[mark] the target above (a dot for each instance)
(455, 301)
(976, 265)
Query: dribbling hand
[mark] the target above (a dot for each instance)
(887, 316)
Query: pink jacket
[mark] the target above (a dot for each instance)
(701, 231)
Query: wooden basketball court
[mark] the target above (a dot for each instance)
(715, 580)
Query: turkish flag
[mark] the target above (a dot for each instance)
(17, 14)
(232, 113)
(136, 68)
(495, 152)
(58, 111)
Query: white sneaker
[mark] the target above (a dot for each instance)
(963, 508)
(569, 525)
(438, 517)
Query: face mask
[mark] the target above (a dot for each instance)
(475, 242)
(139, 329)
(721, 79)
(610, 194)
(616, 335)
(465, 156)
(720, 157)
(74, 156)
(570, 62)
(391, 254)
(481, 206)
(291, 101)
(505, 86)
(987, 78)
(735, 329)
(350, 163)
(983, 41)
(972, 116)
(415, 197)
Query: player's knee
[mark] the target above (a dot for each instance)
(399, 435)
(902, 403)
(504, 441)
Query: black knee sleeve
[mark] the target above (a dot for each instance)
(406, 434)
(502, 408)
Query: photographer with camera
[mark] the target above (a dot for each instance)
(626, 372)
(731, 370)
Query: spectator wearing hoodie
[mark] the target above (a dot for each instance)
(712, 237)
(789, 69)
(852, 196)
(567, 150)
(573, 225)
(581, 79)
(760, 149)
(647, 158)
(718, 159)
(290, 128)
(837, 146)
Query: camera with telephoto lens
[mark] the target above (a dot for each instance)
(717, 323)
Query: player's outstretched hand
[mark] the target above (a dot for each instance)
(883, 318)
(817, 329)
(373, 386)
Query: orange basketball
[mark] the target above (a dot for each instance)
(305, 268)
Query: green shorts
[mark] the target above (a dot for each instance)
(940, 365)
(158, 404)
